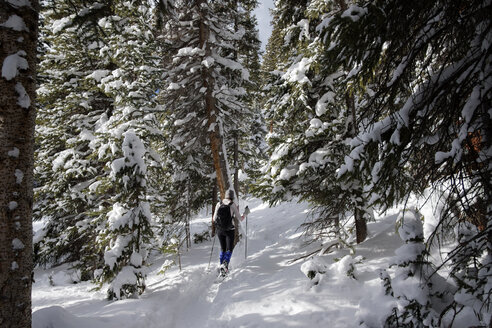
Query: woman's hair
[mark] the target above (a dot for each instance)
(230, 194)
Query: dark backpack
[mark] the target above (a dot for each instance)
(223, 221)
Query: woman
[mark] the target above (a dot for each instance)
(223, 219)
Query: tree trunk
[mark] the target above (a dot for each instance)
(188, 216)
(342, 4)
(236, 165)
(360, 220)
(212, 124)
(360, 226)
(214, 204)
(236, 184)
(17, 114)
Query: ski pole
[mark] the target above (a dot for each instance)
(246, 240)
(211, 252)
(246, 212)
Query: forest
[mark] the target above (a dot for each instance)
(121, 120)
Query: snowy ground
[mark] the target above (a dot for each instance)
(264, 290)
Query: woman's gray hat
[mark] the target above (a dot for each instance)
(230, 194)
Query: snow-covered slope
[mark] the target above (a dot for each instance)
(267, 289)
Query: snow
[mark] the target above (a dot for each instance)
(17, 244)
(99, 74)
(297, 72)
(16, 23)
(354, 12)
(268, 288)
(14, 152)
(13, 205)
(133, 152)
(19, 3)
(136, 259)
(12, 64)
(119, 217)
(60, 24)
(322, 104)
(125, 277)
(208, 62)
(24, 100)
(115, 251)
(19, 176)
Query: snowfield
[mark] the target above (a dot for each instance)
(267, 289)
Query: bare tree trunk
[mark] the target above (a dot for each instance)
(17, 115)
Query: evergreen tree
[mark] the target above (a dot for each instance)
(249, 145)
(310, 119)
(422, 72)
(204, 94)
(18, 42)
(415, 273)
(111, 89)
(70, 107)
(128, 232)
(124, 224)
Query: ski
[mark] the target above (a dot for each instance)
(223, 274)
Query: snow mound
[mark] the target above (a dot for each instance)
(58, 317)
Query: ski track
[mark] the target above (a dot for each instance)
(257, 293)
(264, 290)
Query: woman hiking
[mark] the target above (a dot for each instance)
(223, 220)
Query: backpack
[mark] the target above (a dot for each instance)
(223, 221)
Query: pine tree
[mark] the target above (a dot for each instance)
(206, 75)
(18, 42)
(249, 145)
(127, 143)
(128, 233)
(415, 273)
(310, 119)
(71, 106)
(204, 72)
(422, 72)
(111, 89)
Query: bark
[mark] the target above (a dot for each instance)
(214, 204)
(212, 125)
(360, 221)
(188, 216)
(360, 226)
(16, 164)
(236, 166)
(342, 4)
(236, 184)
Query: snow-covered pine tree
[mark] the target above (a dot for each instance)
(421, 294)
(18, 41)
(204, 93)
(287, 108)
(251, 147)
(70, 105)
(423, 70)
(128, 232)
(127, 141)
(310, 119)
(470, 272)
(99, 80)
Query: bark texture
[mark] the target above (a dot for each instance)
(17, 113)
(210, 107)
